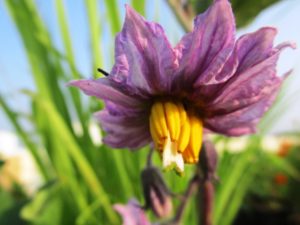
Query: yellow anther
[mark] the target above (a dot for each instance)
(159, 120)
(173, 120)
(188, 156)
(184, 137)
(153, 132)
(182, 113)
(176, 133)
(195, 142)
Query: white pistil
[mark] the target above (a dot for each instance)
(171, 158)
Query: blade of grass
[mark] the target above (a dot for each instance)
(95, 32)
(139, 5)
(113, 15)
(67, 175)
(64, 31)
(284, 165)
(37, 42)
(85, 169)
(238, 196)
(87, 213)
(231, 179)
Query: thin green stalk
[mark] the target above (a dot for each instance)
(65, 170)
(113, 15)
(93, 21)
(231, 179)
(65, 34)
(88, 212)
(139, 5)
(85, 169)
(238, 196)
(38, 47)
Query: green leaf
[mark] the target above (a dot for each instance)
(236, 171)
(237, 199)
(45, 65)
(2, 162)
(45, 207)
(244, 11)
(64, 30)
(139, 5)
(282, 164)
(71, 146)
(113, 16)
(95, 32)
(49, 207)
(10, 209)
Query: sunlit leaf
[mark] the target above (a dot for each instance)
(244, 11)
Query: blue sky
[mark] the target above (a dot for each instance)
(15, 72)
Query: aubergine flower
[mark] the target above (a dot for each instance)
(132, 213)
(168, 96)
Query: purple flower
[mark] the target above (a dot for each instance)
(132, 213)
(168, 96)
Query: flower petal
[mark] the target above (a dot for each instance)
(249, 50)
(204, 51)
(124, 131)
(144, 57)
(106, 89)
(243, 121)
(132, 213)
(253, 80)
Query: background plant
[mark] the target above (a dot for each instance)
(82, 179)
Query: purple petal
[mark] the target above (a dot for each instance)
(119, 110)
(144, 57)
(243, 121)
(125, 131)
(204, 52)
(132, 214)
(249, 50)
(253, 80)
(106, 89)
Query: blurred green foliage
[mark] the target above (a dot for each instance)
(251, 173)
(11, 204)
(2, 162)
(82, 180)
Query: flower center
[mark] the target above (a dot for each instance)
(177, 134)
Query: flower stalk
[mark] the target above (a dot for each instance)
(207, 167)
(191, 189)
(207, 198)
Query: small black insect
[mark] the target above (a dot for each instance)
(103, 72)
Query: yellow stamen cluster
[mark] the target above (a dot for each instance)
(170, 122)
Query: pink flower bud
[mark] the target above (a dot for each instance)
(157, 196)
